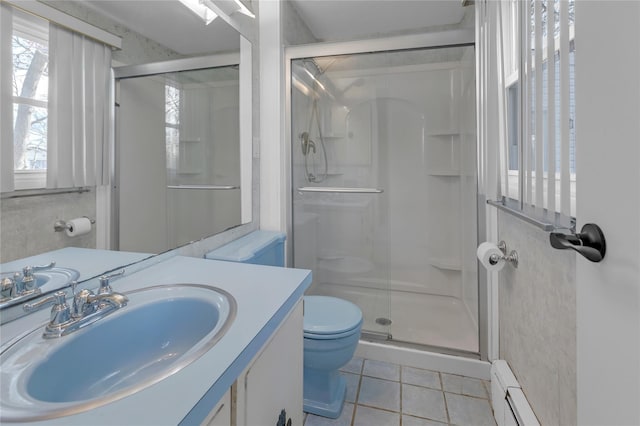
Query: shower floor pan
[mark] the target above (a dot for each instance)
(418, 318)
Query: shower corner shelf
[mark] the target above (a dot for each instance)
(448, 264)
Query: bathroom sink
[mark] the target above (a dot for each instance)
(161, 330)
(48, 280)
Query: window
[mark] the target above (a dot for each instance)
(30, 60)
(55, 100)
(538, 156)
(172, 128)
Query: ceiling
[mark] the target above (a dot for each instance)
(174, 26)
(170, 24)
(331, 20)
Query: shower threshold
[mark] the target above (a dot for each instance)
(386, 338)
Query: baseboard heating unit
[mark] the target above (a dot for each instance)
(510, 406)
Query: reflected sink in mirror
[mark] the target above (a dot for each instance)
(48, 280)
(161, 330)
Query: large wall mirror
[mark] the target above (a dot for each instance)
(179, 149)
(182, 134)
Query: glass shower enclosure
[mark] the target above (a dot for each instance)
(384, 189)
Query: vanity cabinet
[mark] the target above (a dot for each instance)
(269, 390)
(273, 381)
(221, 413)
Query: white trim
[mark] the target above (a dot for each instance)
(67, 21)
(273, 192)
(30, 101)
(246, 130)
(175, 65)
(409, 357)
(435, 39)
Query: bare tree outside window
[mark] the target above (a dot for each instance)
(30, 86)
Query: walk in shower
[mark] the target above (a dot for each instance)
(384, 189)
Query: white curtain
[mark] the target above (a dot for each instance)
(79, 110)
(6, 100)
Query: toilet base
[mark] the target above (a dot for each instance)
(326, 397)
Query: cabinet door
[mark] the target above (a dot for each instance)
(273, 382)
(221, 413)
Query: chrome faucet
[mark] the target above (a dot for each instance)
(28, 280)
(21, 286)
(86, 309)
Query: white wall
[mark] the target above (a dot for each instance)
(141, 162)
(607, 155)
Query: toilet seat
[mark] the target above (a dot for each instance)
(330, 318)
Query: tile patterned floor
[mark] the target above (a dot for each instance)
(385, 394)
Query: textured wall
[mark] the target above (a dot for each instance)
(26, 224)
(136, 49)
(538, 321)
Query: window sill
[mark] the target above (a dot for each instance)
(509, 206)
(38, 192)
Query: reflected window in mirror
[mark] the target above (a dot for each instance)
(58, 104)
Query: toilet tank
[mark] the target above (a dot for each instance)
(259, 248)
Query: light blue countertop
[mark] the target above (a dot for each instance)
(264, 295)
(88, 262)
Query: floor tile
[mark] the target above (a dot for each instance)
(353, 381)
(419, 377)
(464, 385)
(343, 420)
(379, 393)
(415, 421)
(469, 411)
(423, 402)
(366, 416)
(381, 370)
(353, 366)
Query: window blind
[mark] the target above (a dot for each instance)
(79, 123)
(545, 118)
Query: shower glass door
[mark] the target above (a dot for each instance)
(384, 189)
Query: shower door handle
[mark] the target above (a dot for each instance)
(342, 190)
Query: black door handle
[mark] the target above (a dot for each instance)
(589, 242)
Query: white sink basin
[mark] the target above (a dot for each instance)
(160, 331)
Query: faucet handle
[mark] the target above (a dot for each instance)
(60, 312)
(57, 298)
(105, 288)
(28, 271)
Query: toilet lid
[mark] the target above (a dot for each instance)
(329, 315)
